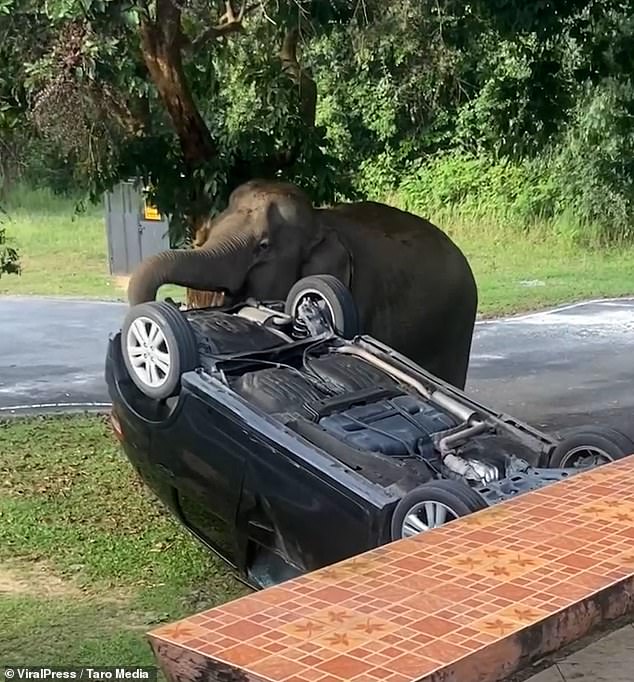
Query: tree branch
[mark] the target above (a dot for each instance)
(307, 86)
(229, 23)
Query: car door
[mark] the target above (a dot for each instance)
(202, 455)
(291, 509)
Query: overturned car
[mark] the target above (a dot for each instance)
(286, 441)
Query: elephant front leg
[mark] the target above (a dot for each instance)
(204, 299)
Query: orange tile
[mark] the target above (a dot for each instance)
(305, 628)
(626, 559)
(242, 630)
(243, 654)
(333, 595)
(425, 602)
(413, 665)
(576, 561)
(434, 626)
(345, 667)
(523, 614)
(180, 631)
(422, 639)
(277, 667)
(495, 626)
(510, 591)
(442, 651)
(454, 592)
(397, 677)
(340, 640)
(460, 591)
(392, 593)
(376, 659)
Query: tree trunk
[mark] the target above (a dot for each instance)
(161, 45)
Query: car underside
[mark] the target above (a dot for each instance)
(372, 411)
(411, 446)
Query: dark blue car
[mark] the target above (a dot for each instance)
(286, 441)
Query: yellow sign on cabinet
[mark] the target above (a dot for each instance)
(150, 212)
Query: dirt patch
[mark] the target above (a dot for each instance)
(35, 580)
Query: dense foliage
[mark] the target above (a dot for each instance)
(519, 111)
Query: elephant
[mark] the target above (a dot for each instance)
(414, 288)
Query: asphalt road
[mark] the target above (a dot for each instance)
(563, 367)
(52, 353)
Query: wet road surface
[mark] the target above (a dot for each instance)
(557, 368)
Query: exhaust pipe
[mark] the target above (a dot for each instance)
(469, 424)
(461, 412)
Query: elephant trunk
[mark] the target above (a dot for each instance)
(210, 270)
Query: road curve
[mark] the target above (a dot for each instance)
(565, 366)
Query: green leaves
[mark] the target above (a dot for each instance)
(9, 259)
(399, 84)
(72, 9)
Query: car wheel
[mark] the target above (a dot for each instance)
(432, 505)
(332, 297)
(590, 446)
(158, 345)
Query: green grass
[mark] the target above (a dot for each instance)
(63, 254)
(89, 560)
(518, 271)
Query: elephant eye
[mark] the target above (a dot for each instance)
(264, 244)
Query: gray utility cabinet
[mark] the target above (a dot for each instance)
(134, 228)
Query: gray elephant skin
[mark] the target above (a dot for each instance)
(414, 288)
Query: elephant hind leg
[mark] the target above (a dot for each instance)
(460, 356)
(451, 361)
(459, 338)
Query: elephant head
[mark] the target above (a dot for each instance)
(267, 238)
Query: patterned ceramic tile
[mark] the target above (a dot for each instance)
(440, 600)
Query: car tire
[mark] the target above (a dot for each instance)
(452, 499)
(337, 297)
(170, 348)
(596, 445)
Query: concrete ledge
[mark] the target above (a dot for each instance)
(473, 601)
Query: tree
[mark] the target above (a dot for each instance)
(194, 96)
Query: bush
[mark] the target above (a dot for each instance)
(594, 166)
(509, 191)
(9, 261)
(582, 186)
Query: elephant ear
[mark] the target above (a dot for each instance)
(329, 256)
